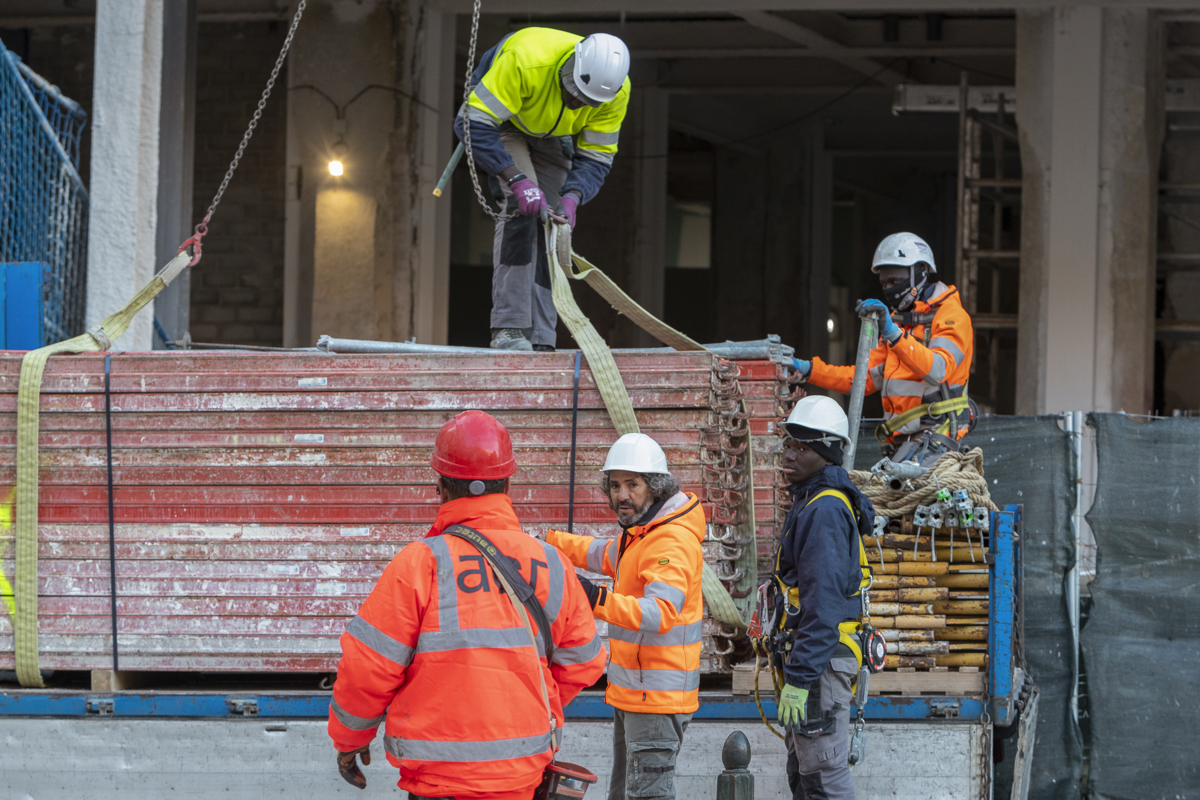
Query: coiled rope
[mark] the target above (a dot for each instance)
(952, 471)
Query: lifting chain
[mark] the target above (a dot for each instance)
(499, 216)
(201, 231)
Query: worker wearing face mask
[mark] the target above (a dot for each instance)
(923, 360)
(533, 92)
(654, 612)
(816, 592)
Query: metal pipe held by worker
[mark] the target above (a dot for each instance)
(868, 336)
(455, 157)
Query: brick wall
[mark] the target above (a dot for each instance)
(237, 289)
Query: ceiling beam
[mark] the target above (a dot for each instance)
(799, 34)
(825, 52)
(739, 6)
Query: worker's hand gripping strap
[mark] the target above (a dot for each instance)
(510, 578)
(508, 566)
(29, 389)
(612, 387)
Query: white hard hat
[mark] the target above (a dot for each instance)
(902, 250)
(821, 414)
(601, 66)
(636, 452)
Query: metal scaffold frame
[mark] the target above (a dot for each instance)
(1001, 254)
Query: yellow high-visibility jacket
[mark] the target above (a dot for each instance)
(518, 81)
(655, 611)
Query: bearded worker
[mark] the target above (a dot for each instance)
(653, 613)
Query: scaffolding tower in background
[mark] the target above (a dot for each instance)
(987, 257)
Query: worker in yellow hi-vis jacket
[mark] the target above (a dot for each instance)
(533, 92)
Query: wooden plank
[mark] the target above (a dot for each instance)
(925, 683)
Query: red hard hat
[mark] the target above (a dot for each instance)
(473, 446)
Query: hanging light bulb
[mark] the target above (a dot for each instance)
(340, 149)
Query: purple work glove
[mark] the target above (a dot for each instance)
(567, 207)
(529, 197)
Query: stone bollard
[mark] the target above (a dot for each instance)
(736, 782)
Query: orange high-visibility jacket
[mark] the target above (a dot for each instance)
(655, 610)
(912, 371)
(439, 655)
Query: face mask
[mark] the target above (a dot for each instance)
(902, 295)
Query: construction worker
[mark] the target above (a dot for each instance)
(923, 360)
(653, 612)
(533, 91)
(439, 654)
(818, 581)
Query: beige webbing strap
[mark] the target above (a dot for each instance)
(29, 389)
(600, 360)
(612, 387)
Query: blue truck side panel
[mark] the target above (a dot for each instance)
(22, 305)
(1002, 612)
(316, 705)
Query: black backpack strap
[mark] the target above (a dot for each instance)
(509, 567)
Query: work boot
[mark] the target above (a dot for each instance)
(510, 339)
(543, 348)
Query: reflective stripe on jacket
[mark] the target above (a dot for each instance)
(438, 652)
(522, 85)
(655, 612)
(910, 374)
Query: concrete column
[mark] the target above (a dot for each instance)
(177, 125)
(123, 222)
(436, 142)
(1133, 118)
(738, 238)
(1089, 106)
(649, 146)
(414, 254)
(819, 250)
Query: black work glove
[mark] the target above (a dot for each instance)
(348, 766)
(596, 594)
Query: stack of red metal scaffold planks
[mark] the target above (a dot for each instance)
(258, 497)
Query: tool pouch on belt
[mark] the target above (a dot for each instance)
(818, 723)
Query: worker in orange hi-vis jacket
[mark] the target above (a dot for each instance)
(923, 360)
(653, 613)
(439, 654)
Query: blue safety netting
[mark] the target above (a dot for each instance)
(43, 203)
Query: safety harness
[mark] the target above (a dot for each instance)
(948, 407)
(778, 602)
(848, 630)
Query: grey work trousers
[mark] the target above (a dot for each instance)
(817, 766)
(644, 750)
(521, 296)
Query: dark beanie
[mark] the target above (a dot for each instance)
(830, 452)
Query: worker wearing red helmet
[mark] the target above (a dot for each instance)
(440, 655)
